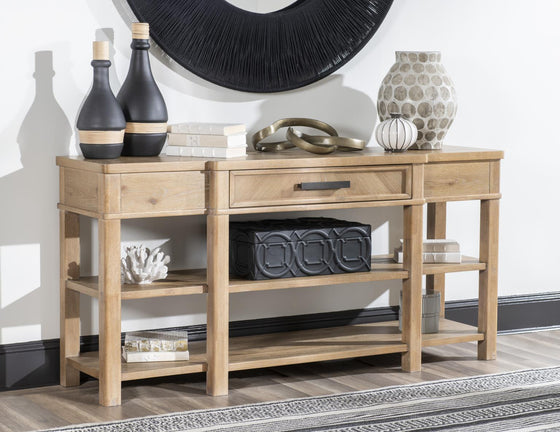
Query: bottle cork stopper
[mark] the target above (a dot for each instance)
(101, 50)
(140, 31)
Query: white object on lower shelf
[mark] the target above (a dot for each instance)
(440, 245)
(156, 340)
(435, 251)
(154, 356)
(208, 152)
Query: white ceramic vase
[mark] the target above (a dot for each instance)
(396, 134)
(418, 87)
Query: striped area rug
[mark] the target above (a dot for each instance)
(526, 400)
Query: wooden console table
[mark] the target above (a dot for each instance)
(112, 190)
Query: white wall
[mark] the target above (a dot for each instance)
(502, 55)
(261, 6)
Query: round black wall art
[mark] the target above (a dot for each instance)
(262, 53)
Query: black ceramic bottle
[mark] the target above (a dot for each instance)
(141, 101)
(101, 122)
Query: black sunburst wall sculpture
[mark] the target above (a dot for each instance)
(262, 53)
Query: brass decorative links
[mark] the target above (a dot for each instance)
(318, 144)
(298, 139)
(287, 122)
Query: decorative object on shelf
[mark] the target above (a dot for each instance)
(101, 121)
(142, 266)
(208, 140)
(440, 251)
(273, 52)
(271, 249)
(396, 134)
(155, 345)
(312, 143)
(418, 87)
(141, 101)
(431, 306)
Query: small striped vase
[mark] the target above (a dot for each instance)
(396, 134)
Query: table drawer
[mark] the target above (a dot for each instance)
(162, 192)
(456, 180)
(259, 188)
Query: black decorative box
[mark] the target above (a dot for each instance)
(271, 249)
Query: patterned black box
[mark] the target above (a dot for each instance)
(271, 249)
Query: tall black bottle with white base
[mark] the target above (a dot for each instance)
(101, 122)
(141, 101)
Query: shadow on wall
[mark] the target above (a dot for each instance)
(29, 221)
(351, 112)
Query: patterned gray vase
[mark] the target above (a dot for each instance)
(418, 87)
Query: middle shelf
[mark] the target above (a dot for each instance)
(185, 282)
(285, 348)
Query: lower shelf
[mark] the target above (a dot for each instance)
(276, 349)
(88, 363)
(304, 346)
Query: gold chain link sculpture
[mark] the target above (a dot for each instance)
(318, 144)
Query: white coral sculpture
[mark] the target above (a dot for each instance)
(142, 266)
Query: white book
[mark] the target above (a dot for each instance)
(222, 141)
(432, 257)
(440, 245)
(207, 128)
(206, 152)
(154, 356)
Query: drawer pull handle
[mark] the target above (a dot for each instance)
(344, 184)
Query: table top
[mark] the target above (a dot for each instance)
(293, 158)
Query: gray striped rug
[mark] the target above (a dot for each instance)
(525, 400)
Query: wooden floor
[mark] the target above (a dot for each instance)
(47, 407)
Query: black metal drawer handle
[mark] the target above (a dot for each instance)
(343, 184)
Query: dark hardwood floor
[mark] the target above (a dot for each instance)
(46, 407)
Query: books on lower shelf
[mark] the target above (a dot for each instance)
(435, 251)
(154, 345)
(209, 140)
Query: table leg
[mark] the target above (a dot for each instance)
(412, 288)
(437, 221)
(488, 279)
(217, 339)
(109, 312)
(69, 300)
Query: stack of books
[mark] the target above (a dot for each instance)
(147, 346)
(208, 140)
(435, 251)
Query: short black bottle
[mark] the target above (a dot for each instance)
(101, 122)
(141, 101)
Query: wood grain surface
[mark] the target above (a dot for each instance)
(111, 190)
(253, 188)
